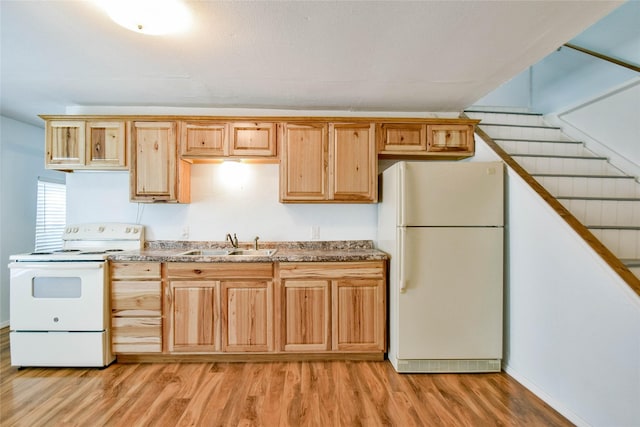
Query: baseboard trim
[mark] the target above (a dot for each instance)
(4, 324)
(554, 403)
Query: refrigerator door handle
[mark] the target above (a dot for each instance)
(401, 254)
(402, 170)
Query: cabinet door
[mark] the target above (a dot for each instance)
(252, 139)
(106, 145)
(358, 315)
(307, 315)
(353, 171)
(156, 174)
(192, 316)
(247, 316)
(402, 137)
(303, 167)
(450, 138)
(65, 144)
(202, 139)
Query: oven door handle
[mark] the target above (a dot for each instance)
(58, 265)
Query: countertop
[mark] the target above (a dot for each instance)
(298, 251)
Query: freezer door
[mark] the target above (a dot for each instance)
(450, 304)
(451, 194)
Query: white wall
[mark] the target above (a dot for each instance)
(22, 160)
(243, 201)
(572, 326)
(609, 124)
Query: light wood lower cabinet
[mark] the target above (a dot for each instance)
(188, 308)
(337, 306)
(247, 315)
(212, 307)
(136, 307)
(192, 316)
(306, 315)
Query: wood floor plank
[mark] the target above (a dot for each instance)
(270, 394)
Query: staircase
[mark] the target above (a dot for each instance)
(599, 195)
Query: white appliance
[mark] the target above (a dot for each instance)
(59, 300)
(442, 225)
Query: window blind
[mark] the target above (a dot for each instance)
(51, 215)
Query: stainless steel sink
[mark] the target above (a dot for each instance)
(206, 252)
(253, 252)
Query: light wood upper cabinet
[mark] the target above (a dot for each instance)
(304, 162)
(450, 139)
(328, 162)
(208, 139)
(252, 139)
(402, 137)
(429, 139)
(86, 144)
(354, 162)
(106, 145)
(156, 172)
(136, 307)
(65, 144)
(205, 140)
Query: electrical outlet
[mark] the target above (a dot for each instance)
(185, 232)
(315, 232)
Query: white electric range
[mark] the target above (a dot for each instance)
(59, 300)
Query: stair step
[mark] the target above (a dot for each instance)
(569, 148)
(590, 186)
(631, 262)
(540, 133)
(614, 227)
(605, 213)
(603, 199)
(623, 242)
(567, 166)
(547, 141)
(506, 117)
(560, 156)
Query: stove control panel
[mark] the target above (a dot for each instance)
(104, 231)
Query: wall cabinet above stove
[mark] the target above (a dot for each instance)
(86, 144)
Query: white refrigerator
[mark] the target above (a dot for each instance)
(442, 225)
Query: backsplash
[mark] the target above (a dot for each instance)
(219, 205)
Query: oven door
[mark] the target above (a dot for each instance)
(58, 296)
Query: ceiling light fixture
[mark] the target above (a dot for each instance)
(153, 17)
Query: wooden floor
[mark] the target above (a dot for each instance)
(320, 394)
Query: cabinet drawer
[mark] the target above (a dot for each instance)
(332, 270)
(136, 298)
(135, 270)
(229, 270)
(136, 334)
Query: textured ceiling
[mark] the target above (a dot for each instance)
(388, 56)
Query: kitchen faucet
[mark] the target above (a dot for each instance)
(255, 245)
(233, 240)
